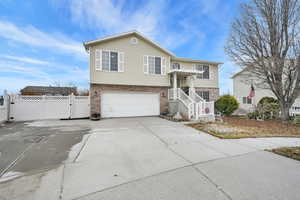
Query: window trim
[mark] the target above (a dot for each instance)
(176, 63)
(162, 66)
(202, 96)
(245, 100)
(202, 75)
(101, 60)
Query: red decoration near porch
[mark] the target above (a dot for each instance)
(206, 110)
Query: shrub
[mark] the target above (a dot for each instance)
(268, 100)
(268, 108)
(226, 104)
(296, 119)
(253, 115)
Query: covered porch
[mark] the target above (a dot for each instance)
(183, 97)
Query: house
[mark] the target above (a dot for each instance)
(241, 89)
(130, 75)
(48, 90)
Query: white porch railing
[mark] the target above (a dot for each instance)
(177, 93)
(202, 107)
(205, 108)
(196, 106)
(195, 96)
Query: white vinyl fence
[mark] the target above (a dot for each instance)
(24, 108)
(4, 103)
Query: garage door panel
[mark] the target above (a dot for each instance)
(122, 104)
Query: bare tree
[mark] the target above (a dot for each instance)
(265, 39)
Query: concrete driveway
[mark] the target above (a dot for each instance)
(148, 158)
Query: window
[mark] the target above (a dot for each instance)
(205, 68)
(203, 94)
(106, 60)
(114, 61)
(154, 65)
(1, 100)
(206, 72)
(157, 65)
(296, 108)
(247, 100)
(151, 61)
(134, 40)
(176, 66)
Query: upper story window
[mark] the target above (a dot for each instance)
(247, 100)
(106, 60)
(175, 66)
(154, 65)
(205, 68)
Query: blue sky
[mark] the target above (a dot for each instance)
(41, 41)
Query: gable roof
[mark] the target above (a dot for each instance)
(173, 56)
(239, 72)
(103, 39)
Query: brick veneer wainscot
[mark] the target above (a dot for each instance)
(96, 90)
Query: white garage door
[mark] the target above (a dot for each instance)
(129, 104)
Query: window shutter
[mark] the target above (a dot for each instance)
(121, 62)
(146, 65)
(163, 66)
(98, 56)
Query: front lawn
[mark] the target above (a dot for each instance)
(238, 127)
(291, 152)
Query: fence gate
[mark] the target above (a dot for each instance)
(23, 108)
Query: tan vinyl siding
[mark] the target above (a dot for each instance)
(133, 66)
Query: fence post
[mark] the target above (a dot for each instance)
(6, 104)
(197, 110)
(71, 102)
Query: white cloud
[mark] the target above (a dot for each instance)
(111, 17)
(151, 18)
(25, 59)
(32, 36)
(17, 74)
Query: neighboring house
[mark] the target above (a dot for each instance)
(130, 75)
(241, 90)
(48, 90)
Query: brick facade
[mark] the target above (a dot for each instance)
(213, 92)
(97, 89)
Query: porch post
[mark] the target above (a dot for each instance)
(175, 85)
(192, 87)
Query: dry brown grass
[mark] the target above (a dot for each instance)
(236, 127)
(291, 152)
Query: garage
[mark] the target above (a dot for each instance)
(129, 104)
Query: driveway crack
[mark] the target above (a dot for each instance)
(212, 182)
(20, 156)
(193, 165)
(82, 147)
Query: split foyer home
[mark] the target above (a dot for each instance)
(241, 89)
(130, 75)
